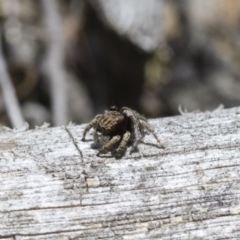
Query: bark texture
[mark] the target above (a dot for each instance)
(54, 187)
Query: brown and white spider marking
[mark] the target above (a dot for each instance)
(119, 127)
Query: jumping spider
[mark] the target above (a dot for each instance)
(119, 127)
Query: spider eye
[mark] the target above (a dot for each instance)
(113, 108)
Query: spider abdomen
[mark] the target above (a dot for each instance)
(110, 122)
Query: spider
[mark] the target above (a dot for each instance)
(119, 127)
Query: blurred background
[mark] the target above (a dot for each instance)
(67, 60)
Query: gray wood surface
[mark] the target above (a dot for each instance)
(52, 186)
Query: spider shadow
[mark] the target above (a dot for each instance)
(150, 144)
(96, 147)
(106, 156)
(88, 140)
(113, 152)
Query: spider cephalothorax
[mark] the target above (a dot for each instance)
(118, 128)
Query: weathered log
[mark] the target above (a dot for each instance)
(54, 187)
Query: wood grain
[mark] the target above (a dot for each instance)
(52, 185)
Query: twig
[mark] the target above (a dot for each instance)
(55, 62)
(9, 95)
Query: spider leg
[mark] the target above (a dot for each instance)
(96, 141)
(99, 141)
(149, 128)
(138, 137)
(134, 116)
(92, 124)
(95, 137)
(109, 145)
(103, 140)
(123, 144)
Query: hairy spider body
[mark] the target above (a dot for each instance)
(119, 127)
(110, 123)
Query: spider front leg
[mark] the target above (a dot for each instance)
(96, 141)
(109, 145)
(92, 124)
(123, 144)
(134, 116)
(138, 137)
(96, 137)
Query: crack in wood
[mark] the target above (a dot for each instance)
(75, 144)
(9, 237)
(41, 208)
